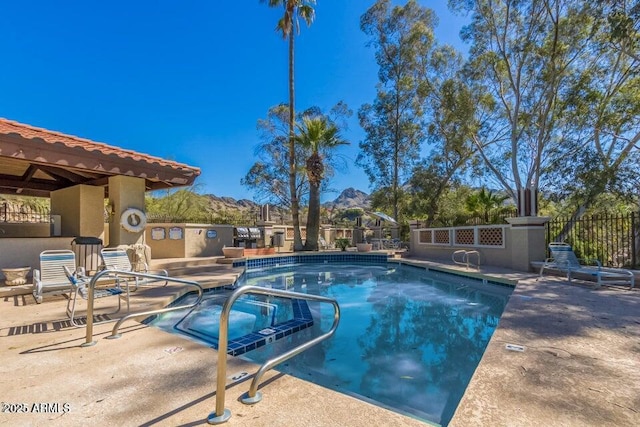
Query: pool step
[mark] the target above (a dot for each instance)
(182, 262)
(188, 266)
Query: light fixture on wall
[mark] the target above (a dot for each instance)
(109, 212)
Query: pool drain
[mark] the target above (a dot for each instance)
(514, 347)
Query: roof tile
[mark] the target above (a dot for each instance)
(31, 132)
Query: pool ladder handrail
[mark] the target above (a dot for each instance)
(465, 258)
(222, 414)
(114, 333)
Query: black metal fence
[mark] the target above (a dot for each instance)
(614, 240)
(492, 217)
(213, 218)
(23, 214)
(232, 217)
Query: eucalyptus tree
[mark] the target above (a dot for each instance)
(603, 112)
(269, 175)
(624, 20)
(289, 26)
(319, 135)
(521, 55)
(450, 107)
(402, 37)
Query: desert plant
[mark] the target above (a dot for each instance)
(342, 244)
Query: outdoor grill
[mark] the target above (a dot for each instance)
(240, 236)
(246, 237)
(255, 233)
(254, 236)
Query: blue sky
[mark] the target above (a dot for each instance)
(186, 80)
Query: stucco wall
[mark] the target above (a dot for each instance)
(488, 256)
(330, 235)
(24, 230)
(29, 251)
(499, 255)
(521, 243)
(81, 209)
(187, 240)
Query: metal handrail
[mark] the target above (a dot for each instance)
(91, 288)
(465, 258)
(222, 414)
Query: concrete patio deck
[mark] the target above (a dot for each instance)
(580, 366)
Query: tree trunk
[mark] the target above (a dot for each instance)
(295, 207)
(313, 218)
(579, 211)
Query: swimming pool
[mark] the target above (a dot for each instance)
(408, 340)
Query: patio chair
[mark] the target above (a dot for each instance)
(565, 260)
(79, 289)
(322, 243)
(117, 259)
(395, 244)
(50, 278)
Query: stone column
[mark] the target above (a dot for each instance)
(377, 229)
(124, 192)
(358, 235)
(81, 210)
(325, 232)
(527, 236)
(266, 229)
(395, 231)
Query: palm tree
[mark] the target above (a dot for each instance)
(483, 202)
(293, 10)
(316, 134)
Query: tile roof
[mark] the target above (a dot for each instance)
(31, 132)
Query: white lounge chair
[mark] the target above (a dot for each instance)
(50, 278)
(117, 259)
(79, 289)
(565, 260)
(322, 243)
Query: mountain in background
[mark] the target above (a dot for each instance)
(350, 198)
(222, 204)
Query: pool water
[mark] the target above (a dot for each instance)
(408, 340)
(202, 323)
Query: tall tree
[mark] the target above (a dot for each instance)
(624, 19)
(289, 25)
(394, 127)
(269, 175)
(450, 108)
(521, 55)
(318, 134)
(603, 112)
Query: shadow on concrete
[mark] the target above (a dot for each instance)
(561, 309)
(210, 396)
(51, 326)
(61, 344)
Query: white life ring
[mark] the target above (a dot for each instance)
(133, 220)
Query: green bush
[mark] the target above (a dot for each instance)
(342, 244)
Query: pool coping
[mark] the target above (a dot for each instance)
(283, 260)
